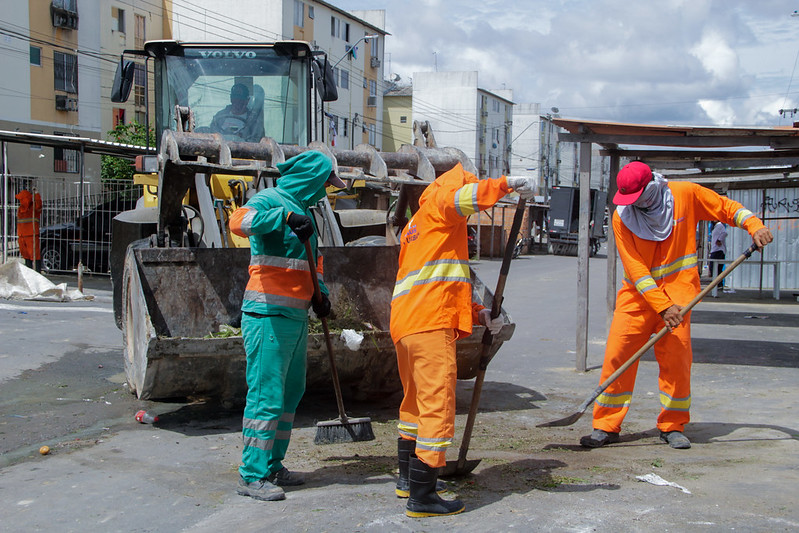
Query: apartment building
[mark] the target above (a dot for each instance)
(127, 24)
(52, 64)
(467, 117)
(354, 43)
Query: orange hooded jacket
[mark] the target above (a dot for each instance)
(433, 288)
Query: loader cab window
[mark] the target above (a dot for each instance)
(242, 93)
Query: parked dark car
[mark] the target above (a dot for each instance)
(86, 239)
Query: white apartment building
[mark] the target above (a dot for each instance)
(462, 115)
(525, 145)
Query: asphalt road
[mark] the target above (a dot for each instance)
(62, 385)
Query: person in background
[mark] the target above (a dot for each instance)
(718, 248)
(29, 215)
(655, 229)
(431, 308)
(274, 321)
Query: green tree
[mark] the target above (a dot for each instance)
(117, 169)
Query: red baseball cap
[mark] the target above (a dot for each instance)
(631, 181)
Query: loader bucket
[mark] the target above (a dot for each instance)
(175, 297)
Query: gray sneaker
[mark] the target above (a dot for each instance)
(675, 439)
(598, 438)
(260, 490)
(285, 478)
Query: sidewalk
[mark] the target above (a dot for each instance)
(742, 472)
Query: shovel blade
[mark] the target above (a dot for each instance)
(451, 469)
(568, 421)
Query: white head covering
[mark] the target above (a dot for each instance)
(651, 217)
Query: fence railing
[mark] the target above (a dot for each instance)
(74, 227)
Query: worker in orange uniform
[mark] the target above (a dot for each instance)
(430, 309)
(28, 215)
(655, 229)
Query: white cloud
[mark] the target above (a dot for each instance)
(667, 62)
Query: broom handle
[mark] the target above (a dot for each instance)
(660, 334)
(488, 338)
(317, 294)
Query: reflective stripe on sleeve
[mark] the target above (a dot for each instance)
(466, 200)
(741, 216)
(645, 283)
(246, 221)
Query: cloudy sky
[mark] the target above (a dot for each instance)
(689, 62)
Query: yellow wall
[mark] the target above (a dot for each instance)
(42, 81)
(395, 134)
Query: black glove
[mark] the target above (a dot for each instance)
(321, 307)
(301, 225)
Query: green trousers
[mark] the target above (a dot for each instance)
(276, 361)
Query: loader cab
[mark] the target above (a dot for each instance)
(242, 91)
(275, 82)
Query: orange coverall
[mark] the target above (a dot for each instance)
(657, 276)
(432, 306)
(28, 214)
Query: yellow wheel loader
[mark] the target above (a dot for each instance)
(179, 274)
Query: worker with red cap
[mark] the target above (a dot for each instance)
(655, 229)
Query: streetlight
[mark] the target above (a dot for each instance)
(350, 53)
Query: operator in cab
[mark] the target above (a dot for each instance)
(242, 120)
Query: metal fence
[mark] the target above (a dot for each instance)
(75, 225)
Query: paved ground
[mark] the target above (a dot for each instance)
(61, 384)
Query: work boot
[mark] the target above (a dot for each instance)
(285, 478)
(598, 438)
(423, 500)
(675, 439)
(405, 448)
(260, 490)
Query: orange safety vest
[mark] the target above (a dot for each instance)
(659, 274)
(28, 215)
(433, 288)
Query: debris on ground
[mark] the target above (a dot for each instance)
(657, 480)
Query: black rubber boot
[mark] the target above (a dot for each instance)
(405, 448)
(424, 501)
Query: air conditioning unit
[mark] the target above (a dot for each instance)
(371, 101)
(375, 62)
(64, 103)
(64, 15)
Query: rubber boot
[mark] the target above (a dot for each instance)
(424, 501)
(405, 448)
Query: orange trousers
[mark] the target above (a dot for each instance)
(629, 331)
(428, 370)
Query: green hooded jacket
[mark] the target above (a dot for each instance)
(300, 186)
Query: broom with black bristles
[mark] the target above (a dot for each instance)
(343, 428)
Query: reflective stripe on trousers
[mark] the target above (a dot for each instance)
(629, 331)
(428, 370)
(276, 361)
